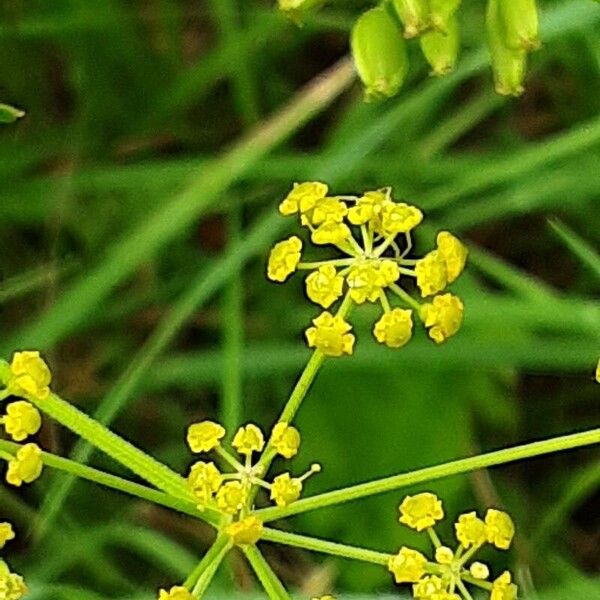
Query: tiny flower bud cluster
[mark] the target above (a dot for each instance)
(372, 232)
(446, 576)
(12, 586)
(232, 493)
(28, 377)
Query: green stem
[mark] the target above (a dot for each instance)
(456, 467)
(188, 507)
(324, 546)
(114, 446)
(405, 296)
(209, 564)
(265, 574)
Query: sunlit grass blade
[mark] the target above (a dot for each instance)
(578, 246)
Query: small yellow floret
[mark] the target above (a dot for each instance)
(284, 258)
(231, 497)
(324, 286)
(303, 197)
(285, 439)
(408, 566)
(248, 439)
(205, 436)
(454, 254)
(330, 335)
(328, 210)
(330, 232)
(421, 511)
(368, 207)
(443, 316)
(21, 420)
(12, 586)
(503, 588)
(444, 555)
(470, 530)
(394, 328)
(6, 533)
(245, 532)
(26, 466)
(177, 592)
(479, 570)
(30, 375)
(432, 276)
(500, 528)
(399, 218)
(443, 595)
(204, 480)
(428, 587)
(364, 282)
(285, 489)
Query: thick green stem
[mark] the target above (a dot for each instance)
(324, 546)
(114, 446)
(114, 482)
(396, 482)
(202, 575)
(265, 574)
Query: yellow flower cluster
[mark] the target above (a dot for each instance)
(446, 576)
(27, 376)
(232, 493)
(372, 233)
(12, 586)
(177, 592)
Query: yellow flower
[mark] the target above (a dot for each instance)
(204, 480)
(431, 273)
(303, 197)
(21, 420)
(6, 533)
(444, 555)
(245, 532)
(248, 439)
(479, 570)
(324, 286)
(328, 210)
(454, 254)
(368, 207)
(470, 530)
(503, 588)
(364, 282)
(12, 586)
(285, 489)
(408, 566)
(443, 595)
(330, 335)
(177, 592)
(330, 232)
(284, 258)
(30, 375)
(443, 316)
(388, 272)
(399, 218)
(500, 528)
(427, 587)
(285, 439)
(26, 466)
(204, 436)
(231, 497)
(421, 511)
(394, 328)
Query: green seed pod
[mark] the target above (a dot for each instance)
(508, 64)
(519, 19)
(441, 50)
(379, 53)
(414, 15)
(297, 9)
(441, 11)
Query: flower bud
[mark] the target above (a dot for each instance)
(441, 11)
(379, 53)
(519, 20)
(508, 64)
(9, 114)
(441, 50)
(296, 9)
(414, 15)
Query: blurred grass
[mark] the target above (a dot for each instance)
(138, 204)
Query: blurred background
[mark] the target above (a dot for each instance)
(138, 205)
